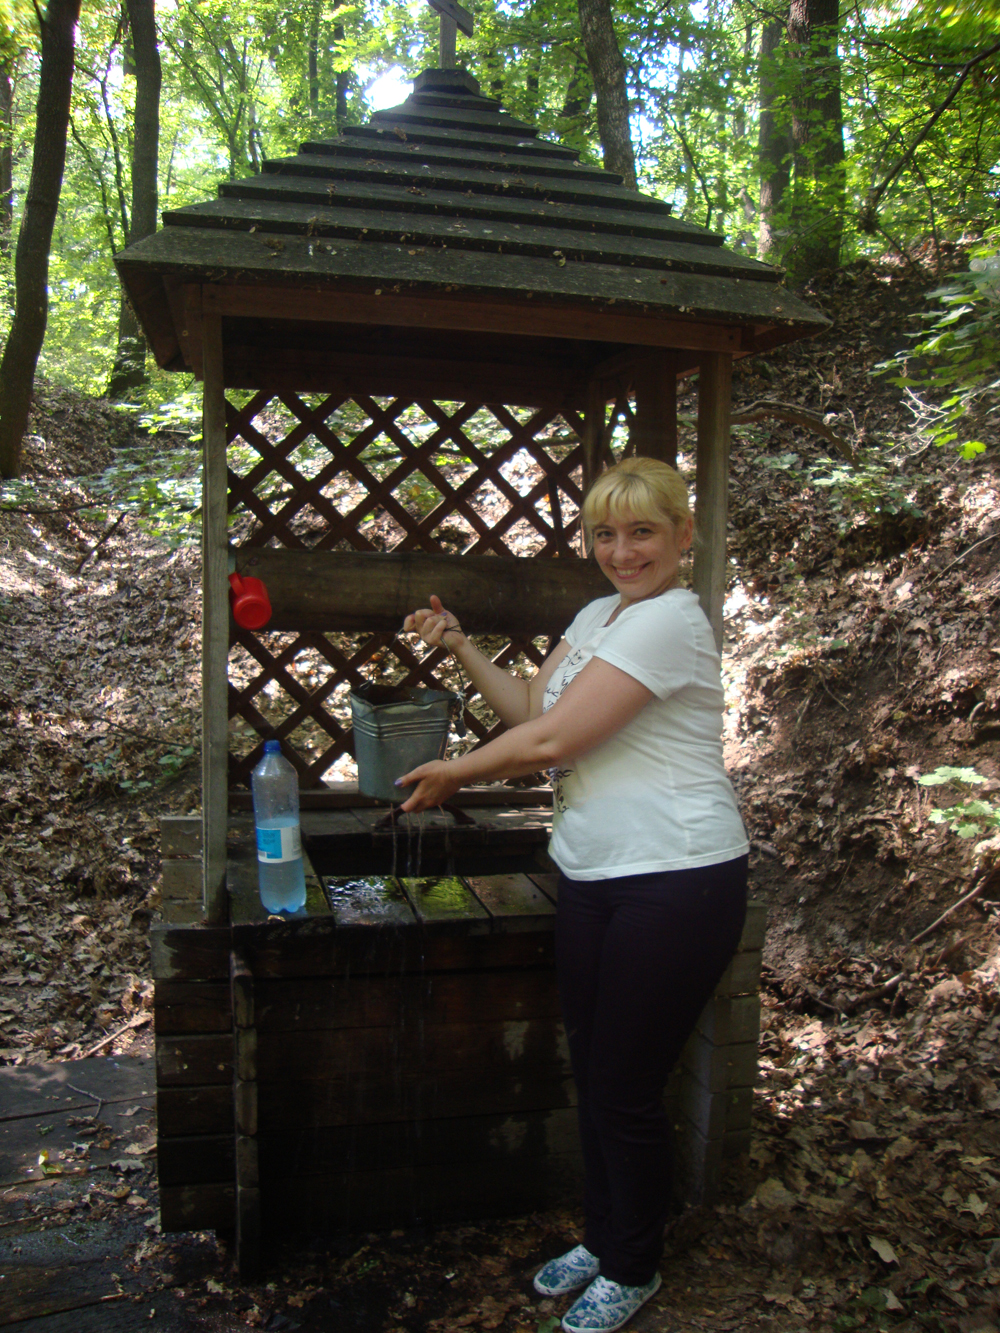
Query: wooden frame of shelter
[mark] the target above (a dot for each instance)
(444, 256)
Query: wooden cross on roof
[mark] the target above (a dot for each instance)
(453, 17)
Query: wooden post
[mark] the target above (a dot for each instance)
(594, 418)
(447, 43)
(214, 629)
(712, 485)
(654, 427)
(248, 1214)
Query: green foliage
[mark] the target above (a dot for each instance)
(956, 360)
(871, 491)
(969, 817)
(253, 81)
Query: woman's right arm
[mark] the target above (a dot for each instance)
(513, 699)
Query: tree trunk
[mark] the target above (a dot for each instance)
(343, 84)
(313, 62)
(819, 186)
(607, 70)
(31, 261)
(129, 370)
(6, 156)
(774, 147)
(576, 104)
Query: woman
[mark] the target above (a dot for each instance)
(626, 714)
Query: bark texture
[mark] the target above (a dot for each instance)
(607, 70)
(818, 188)
(774, 147)
(129, 370)
(31, 261)
(6, 156)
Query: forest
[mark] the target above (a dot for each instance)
(810, 136)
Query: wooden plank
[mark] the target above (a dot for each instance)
(345, 1100)
(189, 953)
(341, 796)
(181, 879)
(445, 903)
(242, 987)
(204, 1110)
(653, 430)
(315, 369)
(387, 198)
(516, 181)
(719, 1067)
(183, 912)
(370, 1200)
(527, 146)
(513, 902)
(323, 590)
(730, 1021)
(518, 1138)
(742, 976)
(351, 221)
(180, 835)
(191, 1007)
(195, 1159)
(195, 1060)
(712, 487)
(432, 311)
(372, 901)
(501, 1048)
(548, 882)
(309, 1003)
(318, 948)
(209, 1207)
(215, 627)
(754, 927)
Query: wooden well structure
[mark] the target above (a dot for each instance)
(440, 265)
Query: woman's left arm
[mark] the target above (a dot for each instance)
(593, 707)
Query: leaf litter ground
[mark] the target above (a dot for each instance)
(862, 652)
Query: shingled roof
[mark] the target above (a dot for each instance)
(450, 194)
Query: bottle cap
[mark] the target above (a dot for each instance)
(272, 747)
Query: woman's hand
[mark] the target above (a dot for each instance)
(430, 623)
(434, 783)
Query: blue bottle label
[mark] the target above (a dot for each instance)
(279, 844)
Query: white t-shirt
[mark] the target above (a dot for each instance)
(655, 796)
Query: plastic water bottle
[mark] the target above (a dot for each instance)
(279, 842)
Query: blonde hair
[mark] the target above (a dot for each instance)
(641, 488)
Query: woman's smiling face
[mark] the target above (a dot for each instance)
(641, 556)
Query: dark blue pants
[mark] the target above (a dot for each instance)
(638, 958)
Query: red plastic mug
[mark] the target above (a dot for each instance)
(250, 602)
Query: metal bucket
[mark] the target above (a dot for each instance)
(396, 730)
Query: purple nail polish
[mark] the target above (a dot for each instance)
(399, 782)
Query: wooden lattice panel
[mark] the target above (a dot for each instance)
(325, 472)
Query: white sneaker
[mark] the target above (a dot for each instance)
(570, 1271)
(605, 1305)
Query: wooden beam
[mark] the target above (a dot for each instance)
(215, 628)
(594, 420)
(538, 319)
(458, 15)
(653, 432)
(333, 590)
(712, 487)
(323, 370)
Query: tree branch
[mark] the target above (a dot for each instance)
(798, 416)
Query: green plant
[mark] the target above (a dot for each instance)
(869, 488)
(969, 817)
(956, 359)
(174, 762)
